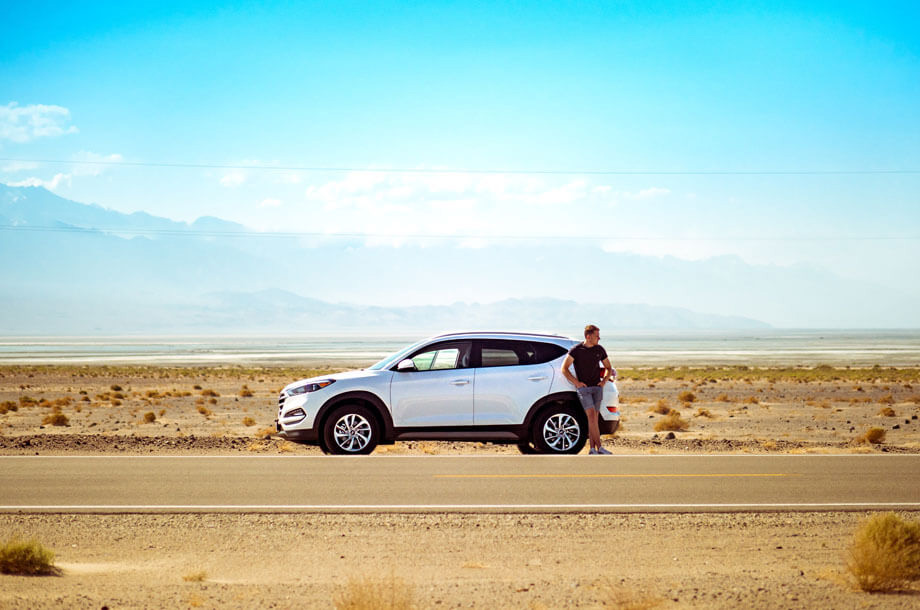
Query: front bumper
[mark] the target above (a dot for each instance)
(309, 435)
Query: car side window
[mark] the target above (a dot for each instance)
(504, 352)
(442, 357)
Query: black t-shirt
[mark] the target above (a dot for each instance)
(587, 363)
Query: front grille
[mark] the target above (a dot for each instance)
(281, 398)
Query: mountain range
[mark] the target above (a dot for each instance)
(73, 268)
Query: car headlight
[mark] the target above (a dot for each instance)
(310, 387)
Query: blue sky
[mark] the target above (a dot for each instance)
(671, 86)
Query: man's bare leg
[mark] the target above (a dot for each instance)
(594, 433)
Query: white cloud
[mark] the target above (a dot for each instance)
(233, 178)
(96, 166)
(25, 123)
(48, 184)
(18, 166)
(270, 203)
(649, 193)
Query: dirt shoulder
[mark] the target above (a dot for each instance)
(446, 560)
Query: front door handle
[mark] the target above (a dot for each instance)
(460, 382)
(537, 378)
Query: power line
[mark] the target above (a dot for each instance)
(420, 236)
(551, 172)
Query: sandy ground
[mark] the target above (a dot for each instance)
(211, 411)
(446, 561)
(515, 561)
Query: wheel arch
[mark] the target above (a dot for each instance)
(567, 397)
(368, 399)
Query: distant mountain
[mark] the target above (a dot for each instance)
(74, 268)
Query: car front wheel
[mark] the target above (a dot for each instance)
(351, 430)
(559, 430)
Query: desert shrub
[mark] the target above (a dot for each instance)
(686, 396)
(672, 421)
(196, 387)
(8, 405)
(885, 553)
(873, 436)
(915, 399)
(27, 401)
(150, 417)
(887, 399)
(61, 402)
(367, 594)
(115, 387)
(152, 394)
(26, 557)
(661, 407)
(162, 412)
(204, 410)
(55, 418)
(116, 402)
(209, 393)
(703, 413)
(248, 421)
(212, 401)
(118, 396)
(887, 412)
(751, 400)
(263, 432)
(723, 398)
(245, 392)
(199, 576)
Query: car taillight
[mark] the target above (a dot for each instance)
(613, 409)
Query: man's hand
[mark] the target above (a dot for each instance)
(579, 385)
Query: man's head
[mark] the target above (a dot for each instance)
(592, 335)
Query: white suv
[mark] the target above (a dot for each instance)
(496, 387)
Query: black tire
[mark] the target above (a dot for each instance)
(560, 429)
(526, 448)
(350, 430)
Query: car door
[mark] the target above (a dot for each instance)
(510, 378)
(439, 391)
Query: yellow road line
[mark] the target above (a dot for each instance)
(601, 476)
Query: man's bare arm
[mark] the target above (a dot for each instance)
(609, 373)
(568, 374)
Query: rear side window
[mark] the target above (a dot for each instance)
(504, 352)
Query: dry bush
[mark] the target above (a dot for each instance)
(55, 418)
(672, 421)
(661, 407)
(686, 396)
(887, 399)
(248, 421)
(915, 399)
(26, 557)
(701, 412)
(723, 398)
(212, 401)
(619, 597)
(162, 412)
(199, 576)
(246, 393)
(197, 387)
(204, 411)
(27, 401)
(873, 436)
(8, 405)
(887, 412)
(150, 417)
(370, 594)
(885, 553)
(209, 393)
(152, 394)
(751, 400)
(115, 387)
(263, 432)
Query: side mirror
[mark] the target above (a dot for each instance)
(406, 366)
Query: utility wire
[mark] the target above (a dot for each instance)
(420, 236)
(552, 172)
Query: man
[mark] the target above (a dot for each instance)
(589, 385)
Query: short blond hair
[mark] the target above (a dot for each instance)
(590, 329)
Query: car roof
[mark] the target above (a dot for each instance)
(521, 336)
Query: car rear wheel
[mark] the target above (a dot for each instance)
(351, 430)
(559, 430)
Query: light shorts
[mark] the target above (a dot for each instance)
(591, 397)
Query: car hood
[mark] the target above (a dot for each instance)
(360, 374)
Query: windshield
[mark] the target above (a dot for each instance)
(394, 358)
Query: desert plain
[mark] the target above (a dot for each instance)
(694, 560)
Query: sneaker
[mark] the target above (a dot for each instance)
(592, 452)
(603, 451)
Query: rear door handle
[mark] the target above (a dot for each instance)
(537, 378)
(460, 382)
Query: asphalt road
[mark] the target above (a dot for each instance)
(648, 483)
